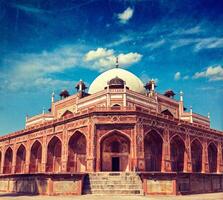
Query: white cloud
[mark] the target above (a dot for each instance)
(154, 45)
(145, 78)
(213, 73)
(186, 77)
(199, 43)
(209, 43)
(177, 76)
(35, 70)
(190, 31)
(125, 16)
(108, 58)
(99, 53)
(32, 71)
(122, 40)
(182, 42)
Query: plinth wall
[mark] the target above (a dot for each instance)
(42, 184)
(181, 183)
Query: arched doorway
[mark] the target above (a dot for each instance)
(54, 155)
(153, 151)
(20, 159)
(196, 156)
(35, 157)
(177, 150)
(212, 158)
(77, 153)
(115, 151)
(7, 169)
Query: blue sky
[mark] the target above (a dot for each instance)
(49, 45)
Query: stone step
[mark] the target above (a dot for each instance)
(112, 174)
(113, 183)
(115, 186)
(103, 182)
(116, 178)
(114, 192)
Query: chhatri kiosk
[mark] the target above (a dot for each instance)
(119, 129)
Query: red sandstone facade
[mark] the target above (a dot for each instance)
(115, 129)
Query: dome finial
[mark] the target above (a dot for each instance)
(116, 64)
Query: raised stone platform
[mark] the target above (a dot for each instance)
(42, 184)
(113, 183)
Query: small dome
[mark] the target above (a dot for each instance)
(131, 81)
(116, 82)
(81, 84)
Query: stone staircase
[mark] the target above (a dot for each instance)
(113, 183)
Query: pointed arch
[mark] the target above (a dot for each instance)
(66, 113)
(7, 169)
(196, 155)
(115, 131)
(20, 159)
(152, 130)
(35, 157)
(153, 145)
(77, 152)
(212, 157)
(115, 151)
(54, 149)
(177, 151)
(167, 112)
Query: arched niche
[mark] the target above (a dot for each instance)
(77, 153)
(115, 151)
(54, 155)
(196, 156)
(7, 169)
(212, 157)
(35, 157)
(177, 151)
(20, 159)
(153, 145)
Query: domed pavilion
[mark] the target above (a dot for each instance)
(119, 126)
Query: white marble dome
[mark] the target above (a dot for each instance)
(132, 81)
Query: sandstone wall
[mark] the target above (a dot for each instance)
(42, 184)
(181, 183)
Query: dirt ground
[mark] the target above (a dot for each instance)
(212, 196)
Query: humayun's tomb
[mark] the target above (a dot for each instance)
(118, 137)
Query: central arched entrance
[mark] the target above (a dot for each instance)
(115, 151)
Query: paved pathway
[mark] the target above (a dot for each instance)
(213, 196)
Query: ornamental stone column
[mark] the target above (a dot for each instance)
(2, 161)
(219, 159)
(91, 148)
(14, 159)
(139, 148)
(44, 154)
(64, 150)
(166, 160)
(27, 161)
(187, 155)
(205, 164)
